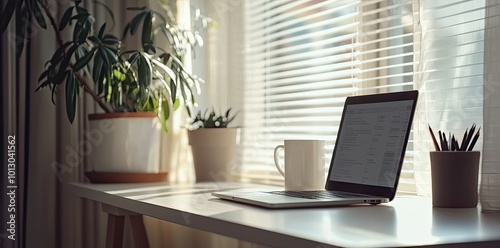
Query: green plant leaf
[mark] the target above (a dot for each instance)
(190, 37)
(82, 27)
(182, 85)
(149, 48)
(112, 58)
(133, 59)
(59, 53)
(43, 75)
(147, 28)
(199, 39)
(65, 62)
(7, 13)
(65, 18)
(48, 73)
(134, 23)
(96, 70)
(119, 75)
(166, 69)
(110, 40)
(109, 80)
(42, 85)
(58, 78)
(53, 93)
(71, 93)
(145, 71)
(76, 32)
(82, 37)
(84, 60)
(164, 114)
(104, 56)
(95, 40)
(168, 34)
(185, 87)
(188, 110)
(37, 12)
(101, 31)
(173, 91)
(177, 104)
(81, 17)
(137, 8)
(80, 53)
(164, 84)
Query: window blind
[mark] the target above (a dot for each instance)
(303, 58)
(449, 54)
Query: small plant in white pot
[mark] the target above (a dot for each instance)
(213, 145)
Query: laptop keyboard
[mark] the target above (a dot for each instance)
(320, 194)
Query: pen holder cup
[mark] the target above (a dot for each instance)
(455, 178)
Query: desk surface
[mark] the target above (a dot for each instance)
(406, 221)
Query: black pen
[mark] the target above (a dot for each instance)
(445, 143)
(443, 147)
(463, 146)
(469, 136)
(476, 137)
(434, 141)
(457, 146)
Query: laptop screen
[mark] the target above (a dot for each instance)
(370, 143)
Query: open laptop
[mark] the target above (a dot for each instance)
(366, 161)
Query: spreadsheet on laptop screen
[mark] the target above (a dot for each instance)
(370, 143)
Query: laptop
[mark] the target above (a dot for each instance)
(366, 161)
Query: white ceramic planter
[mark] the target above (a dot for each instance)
(213, 152)
(125, 142)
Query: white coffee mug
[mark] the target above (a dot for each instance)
(304, 164)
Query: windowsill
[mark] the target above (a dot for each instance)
(278, 181)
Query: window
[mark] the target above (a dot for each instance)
(303, 58)
(449, 71)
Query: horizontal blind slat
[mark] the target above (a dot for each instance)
(304, 58)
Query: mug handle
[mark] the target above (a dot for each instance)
(277, 163)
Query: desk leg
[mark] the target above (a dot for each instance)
(138, 230)
(116, 221)
(114, 234)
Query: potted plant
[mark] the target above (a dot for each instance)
(213, 145)
(136, 88)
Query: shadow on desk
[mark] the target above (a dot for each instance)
(157, 191)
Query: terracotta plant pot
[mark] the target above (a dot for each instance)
(213, 152)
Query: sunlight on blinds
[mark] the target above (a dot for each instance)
(449, 55)
(303, 58)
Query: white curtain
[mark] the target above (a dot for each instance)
(448, 72)
(45, 142)
(490, 179)
(456, 69)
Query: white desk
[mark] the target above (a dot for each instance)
(407, 221)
